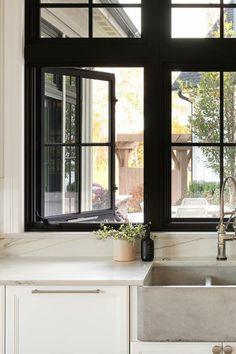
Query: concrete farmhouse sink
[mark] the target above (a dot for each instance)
(188, 303)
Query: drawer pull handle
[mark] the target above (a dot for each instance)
(36, 291)
(216, 349)
(228, 349)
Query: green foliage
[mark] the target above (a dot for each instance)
(128, 232)
(205, 119)
(202, 189)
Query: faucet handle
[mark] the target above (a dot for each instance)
(216, 349)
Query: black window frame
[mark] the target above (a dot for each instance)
(78, 144)
(158, 54)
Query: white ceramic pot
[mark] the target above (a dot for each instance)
(124, 251)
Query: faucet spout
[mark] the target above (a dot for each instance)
(222, 228)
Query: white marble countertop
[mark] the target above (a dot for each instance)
(71, 271)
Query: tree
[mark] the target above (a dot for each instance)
(205, 119)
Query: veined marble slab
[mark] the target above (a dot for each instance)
(71, 271)
(167, 245)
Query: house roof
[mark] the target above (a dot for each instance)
(189, 77)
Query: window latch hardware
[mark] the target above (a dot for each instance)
(44, 220)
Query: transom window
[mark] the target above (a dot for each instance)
(93, 18)
(203, 19)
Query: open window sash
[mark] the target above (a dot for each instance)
(77, 145)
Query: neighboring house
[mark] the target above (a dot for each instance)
(107, 22)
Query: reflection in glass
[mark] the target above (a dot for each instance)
(195, 182)
(229, 22)
(71, 123)
(230, 170)
(96, 192)
(60, 180)
(195, 23)
(195, 107)
(63, 1)
(52, 120)
(229, 107)
(107, 22)
(72, 22)
(95, 124)
(118, 1)
(60, 123)
(195, 1)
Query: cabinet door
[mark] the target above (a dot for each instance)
(2, 318)
(67, 320)
(173, 348)
(229, 347)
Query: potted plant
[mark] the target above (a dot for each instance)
(124, 239)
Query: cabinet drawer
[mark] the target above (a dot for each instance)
(67, 320)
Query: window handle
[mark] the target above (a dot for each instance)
(44, 220)
(228, 349)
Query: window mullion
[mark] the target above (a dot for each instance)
(78, 137)
(90, 18)
(221, 127)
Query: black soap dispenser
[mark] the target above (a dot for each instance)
(147, 246)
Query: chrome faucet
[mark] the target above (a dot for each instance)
(222, 227)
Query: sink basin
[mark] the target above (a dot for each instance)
(188, 303)
(192, 275)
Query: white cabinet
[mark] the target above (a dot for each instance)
(173, 348)
(2, 319)
(67, 320)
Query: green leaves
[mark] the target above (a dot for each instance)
(128, 232)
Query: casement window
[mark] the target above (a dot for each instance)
(70, 146)
(159, 76)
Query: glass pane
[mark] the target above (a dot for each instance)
(195, 107)
(195, 1)
(230, 161)
(116, 22)
(230, 1)
(64, 1)
(195, 182)
(70, 124)
(229, 107)
(71, 22)
(118, 1)
(60, 180)
(95, 121)
(96, 192)
(129, 142)
(60, 123)
(52, 120)
(229, 22)
(230, 170)
(195, 23)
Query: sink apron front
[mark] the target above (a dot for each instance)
(187, 313)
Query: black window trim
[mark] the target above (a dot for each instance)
(158, 54)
